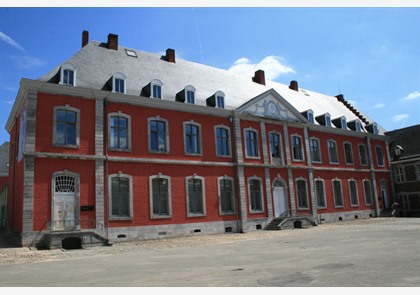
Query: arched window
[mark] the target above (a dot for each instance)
(68, 74)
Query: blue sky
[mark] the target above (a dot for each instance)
(370, 55)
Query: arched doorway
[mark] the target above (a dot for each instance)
(279, 198)
(65, 212)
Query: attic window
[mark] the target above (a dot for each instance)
(220, 100)
(68, 74)
(327, 120)
(131, 53)
(343, 123)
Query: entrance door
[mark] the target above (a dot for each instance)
(384, 194)
(64, 203)
(279, 198)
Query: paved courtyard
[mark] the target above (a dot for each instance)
(377, 252)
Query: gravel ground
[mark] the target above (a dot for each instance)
(25, 254)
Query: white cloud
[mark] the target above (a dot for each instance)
(402, 117)
(271, 65)
(11, 42)
(379, 106)
(412, 95)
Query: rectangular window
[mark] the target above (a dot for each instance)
(338, 193)
(379, 156)
(120, 197)
(66, 127)
(297, 148)
(220, 102)
(399, 174)
(320, 194)
(354, 199)
(251, 142)
(156, 91)
(302, 194)
(348, 153)
(222, 141)
(190, 97)
(118, 132)
(275, 148)
(119, 85)
(363, 155)
(368, 192)
(192, 139)
(195, 196)
(227, 204)
(315, 150)
(332, 152)
(255, 195)
(160, 196)
(157, 136)
(68, 77)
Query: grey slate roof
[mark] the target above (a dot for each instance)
(407, 138)
(95, 65)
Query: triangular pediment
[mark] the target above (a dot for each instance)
(271, 104)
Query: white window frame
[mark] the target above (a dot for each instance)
(229, 145)
(348, 144)
(329, 152)
(251, 211)
(334, 193)
(159, 216)
(378, 155)
(365, 155)
(187, 89)
(203, 195)
(323, 196)
(159, 83)
(306, 193)
(158, 118)
(128, 117)
(319, 149)
(130, 187)
(119, 76)
(199, 141)
(352, 180)
(327, 118)
(69, 67)
(54, 131)
(220, 195)
(216, 96)
(371, 192)
(257, 143)
(272, 159)
(400, 174)
(293, 148)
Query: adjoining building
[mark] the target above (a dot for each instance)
(132, 145)
(4, 173)
(404, 148)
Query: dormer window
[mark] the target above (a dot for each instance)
(343, 123)
(217, 100)
(68, 74)
(372, 128)
(309, 114)
(355, 125)
(324, 119)
(156, 87)
(190, 94)
(118, 83)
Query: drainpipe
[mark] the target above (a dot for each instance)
(105, 189)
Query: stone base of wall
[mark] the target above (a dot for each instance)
(344, 216)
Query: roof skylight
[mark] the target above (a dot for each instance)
(131, 53)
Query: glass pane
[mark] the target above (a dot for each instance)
(60, 137)
(71, 134)
(71, 117)
(60, 115)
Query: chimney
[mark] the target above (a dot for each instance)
(259, 77)
(85, 38)
(294, 85)
(170, 55)
(113, 41)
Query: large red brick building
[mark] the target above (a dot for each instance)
(133, 145)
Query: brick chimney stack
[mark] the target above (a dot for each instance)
(85, 38)
(170, 55)
(259, 77)
(294, 85)
(113, 41)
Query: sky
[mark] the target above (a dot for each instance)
(371, 55)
